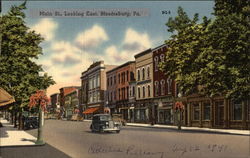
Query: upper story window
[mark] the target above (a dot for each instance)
(133, 91)
(111, 79)
(108, 81)
(143, 92)
(119, 78)
(138, 75)
(162, 57)
(148, 72)
(156, 60)
(162, 87)
(114, 79)
(143, 74)
(97, 80)
(149, 94)
(127, 75)
(169, 82)
(139, 92)
(156, 88)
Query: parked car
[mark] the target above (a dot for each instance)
(118, 118)
(31, 122)
(104, 123)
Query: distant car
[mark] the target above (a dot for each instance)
(104, 123)
(31, 122)
(118, 118)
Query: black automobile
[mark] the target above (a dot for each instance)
(104, 123)
(30, 122)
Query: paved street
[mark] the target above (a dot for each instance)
(76, 140)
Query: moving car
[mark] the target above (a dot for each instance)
(104, 123)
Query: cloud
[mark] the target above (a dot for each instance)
(46, 27)
(91, 38)
(133, 43)
(134, 40)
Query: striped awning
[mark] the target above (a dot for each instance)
(5, 98)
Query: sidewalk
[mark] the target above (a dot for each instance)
(195, 129)
(10, 136)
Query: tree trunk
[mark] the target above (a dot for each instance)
(15, 119)
(20, 120)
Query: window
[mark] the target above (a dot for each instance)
(149, 91)
(127, 93)
(156, 63)
(169, 81)
(132, 77)
(143, 74)
(119, 94)
(148, 72)
(111, 96)
(196, 111)
(130, 91)
(119, 78)
(114, 79)
(114, 95)
(237, 110)
(127, 76)
(156, 88)
(108, 82)
(139, 92)
(162, 57)
(138, 75)
(97, 80)
(206, 110)
(111, 81)
(133, 91)
(143, 92)
(162, 87)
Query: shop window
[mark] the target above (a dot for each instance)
(207, 111)
(248, 109)
(196, 111)
(237, 110)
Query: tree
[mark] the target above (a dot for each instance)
(212, 55)
(19, 47)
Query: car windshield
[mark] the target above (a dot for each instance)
(105, 118)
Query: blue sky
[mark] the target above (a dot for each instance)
(72, 44)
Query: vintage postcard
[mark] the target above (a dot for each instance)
(124, 79)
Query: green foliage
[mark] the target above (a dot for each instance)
(19, 47)
(213, 55)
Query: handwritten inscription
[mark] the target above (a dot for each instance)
(135, 151)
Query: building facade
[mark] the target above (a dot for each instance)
(111, 92)
(71, 103)
(126, 74)
(216, 112)
(164, 89)
(55, 102)
(63, 92)
(144, 86)
(95, 78)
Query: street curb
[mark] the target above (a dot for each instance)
(195, 130)
(17, 146)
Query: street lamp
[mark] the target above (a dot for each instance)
(41, 121)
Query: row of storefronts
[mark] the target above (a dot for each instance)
(141, 93)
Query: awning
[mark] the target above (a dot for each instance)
(5, 98)
(90, 110)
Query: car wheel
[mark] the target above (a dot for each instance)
(118, 131)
